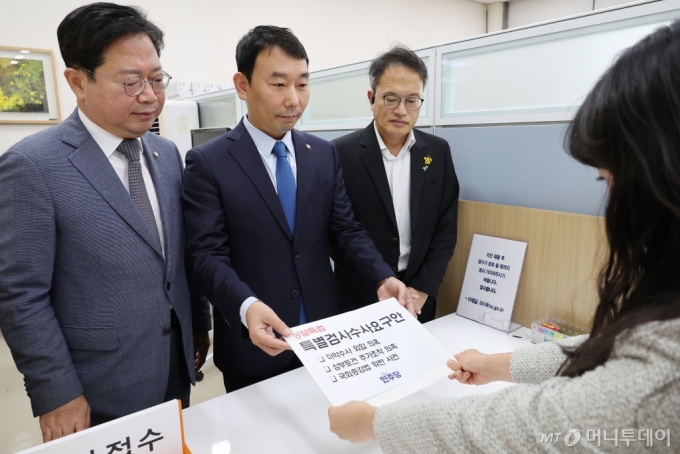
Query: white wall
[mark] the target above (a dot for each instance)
(599, 4)
(525, 12)
(494, 16)
(201, 35)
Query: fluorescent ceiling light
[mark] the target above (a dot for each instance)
(14, 62)
(25, 51)
(18, 57)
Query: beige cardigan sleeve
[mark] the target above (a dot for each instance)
(638, 387)
(538, 363)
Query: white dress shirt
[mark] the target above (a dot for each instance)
(398, 170)
(108, 144)
(265, 146)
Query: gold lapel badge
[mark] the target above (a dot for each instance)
(155, 154)
(428, 161)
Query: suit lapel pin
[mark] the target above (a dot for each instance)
(155, 154)
(309, 147)
(428, 161)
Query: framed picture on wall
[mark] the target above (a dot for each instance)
(28, 86)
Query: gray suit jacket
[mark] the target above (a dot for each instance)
(84, 292)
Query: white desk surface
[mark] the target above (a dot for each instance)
(288, 413)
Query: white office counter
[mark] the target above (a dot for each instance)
(288, 413)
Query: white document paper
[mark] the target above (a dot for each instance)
(491, 280)
(378, 354)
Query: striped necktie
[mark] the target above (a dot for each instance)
(131, 150)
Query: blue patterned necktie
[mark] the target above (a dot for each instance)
(285, 186)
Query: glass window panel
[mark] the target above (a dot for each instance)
(338, 99)
(218, 112)
(430, 75)
(549, 73)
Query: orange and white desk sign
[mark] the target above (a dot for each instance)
(157, 430)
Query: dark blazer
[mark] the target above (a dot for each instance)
(240, 245)
(433, 205)
(85, 290)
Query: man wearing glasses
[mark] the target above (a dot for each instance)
(402, 185)
(95, 301)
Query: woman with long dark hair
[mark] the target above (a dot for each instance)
(623, 380)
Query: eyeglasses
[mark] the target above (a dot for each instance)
(135, 85)
(392, 101)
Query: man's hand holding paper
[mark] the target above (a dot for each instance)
(407, 297)
(262, 325)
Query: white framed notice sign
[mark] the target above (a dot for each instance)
(378, 354)
(491, 280)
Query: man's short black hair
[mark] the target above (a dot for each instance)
(86, 33)
(397, 56)
(265, 37)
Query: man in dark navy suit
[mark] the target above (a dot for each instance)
(261, 204)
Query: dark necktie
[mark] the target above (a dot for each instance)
(131, 150)
(285, 186)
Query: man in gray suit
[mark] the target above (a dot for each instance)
(95, 303)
